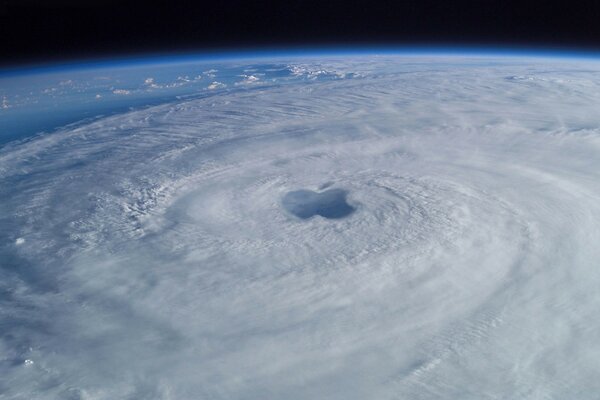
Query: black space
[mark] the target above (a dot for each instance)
(46, 30)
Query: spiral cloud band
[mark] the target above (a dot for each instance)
(154, 254)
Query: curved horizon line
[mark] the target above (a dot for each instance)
(258, 52)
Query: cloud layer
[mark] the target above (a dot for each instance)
(147, 254)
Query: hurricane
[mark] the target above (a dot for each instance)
(331, 227)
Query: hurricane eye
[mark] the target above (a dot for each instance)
(330, 204)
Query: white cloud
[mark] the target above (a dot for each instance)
(314, 72)
(121, 91)
(248, 80)
(211, 73)
(216, 85)
(149, 82)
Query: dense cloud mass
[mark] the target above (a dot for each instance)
(148, 255)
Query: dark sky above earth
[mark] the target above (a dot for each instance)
(42, 30)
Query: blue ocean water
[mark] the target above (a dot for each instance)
(44, 99)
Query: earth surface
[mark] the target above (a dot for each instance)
(333, 226)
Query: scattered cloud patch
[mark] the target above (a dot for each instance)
(123, 92)
(314, 72)
(248, 80)
(150, 83)
(216, 85)
(180, 81)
